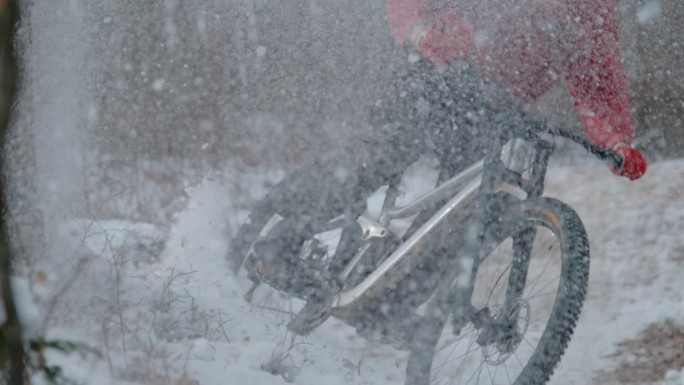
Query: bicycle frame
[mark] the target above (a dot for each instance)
(512, 126)
(390, 271)
(463, 188)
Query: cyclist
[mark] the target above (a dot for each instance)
(525, 47)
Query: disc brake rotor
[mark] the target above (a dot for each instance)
(500, 337)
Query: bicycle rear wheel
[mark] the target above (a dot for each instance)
(528, 295)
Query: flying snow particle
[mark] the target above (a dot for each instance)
(158, 85)
(341, 174)
(92, 113)
(261, 51)
(206, 125)
(649, 11)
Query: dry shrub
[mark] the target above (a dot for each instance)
(648, 357)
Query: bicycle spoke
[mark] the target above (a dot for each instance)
(496, 283)
(543, 287)
(490, 373)
(507, 373)
(469, 350)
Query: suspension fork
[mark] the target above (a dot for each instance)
(461, 289)
(460, 292)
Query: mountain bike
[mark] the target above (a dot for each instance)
(484, 282)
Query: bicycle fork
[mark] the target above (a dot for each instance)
(456, 296)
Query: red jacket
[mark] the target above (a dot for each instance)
(527, 46)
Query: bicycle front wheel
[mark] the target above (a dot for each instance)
(528, 295)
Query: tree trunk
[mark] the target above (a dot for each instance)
(9, 16)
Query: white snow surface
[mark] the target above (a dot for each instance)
(217, 338)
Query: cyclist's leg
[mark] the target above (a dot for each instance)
(456, 144)
(459, 142)
(341, 183)
(450, 106)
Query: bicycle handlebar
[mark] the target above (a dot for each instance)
(603, 153)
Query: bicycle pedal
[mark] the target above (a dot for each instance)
(312, 315)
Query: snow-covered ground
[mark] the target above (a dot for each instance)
(180, 318)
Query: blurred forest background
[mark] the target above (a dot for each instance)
(162, 93)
